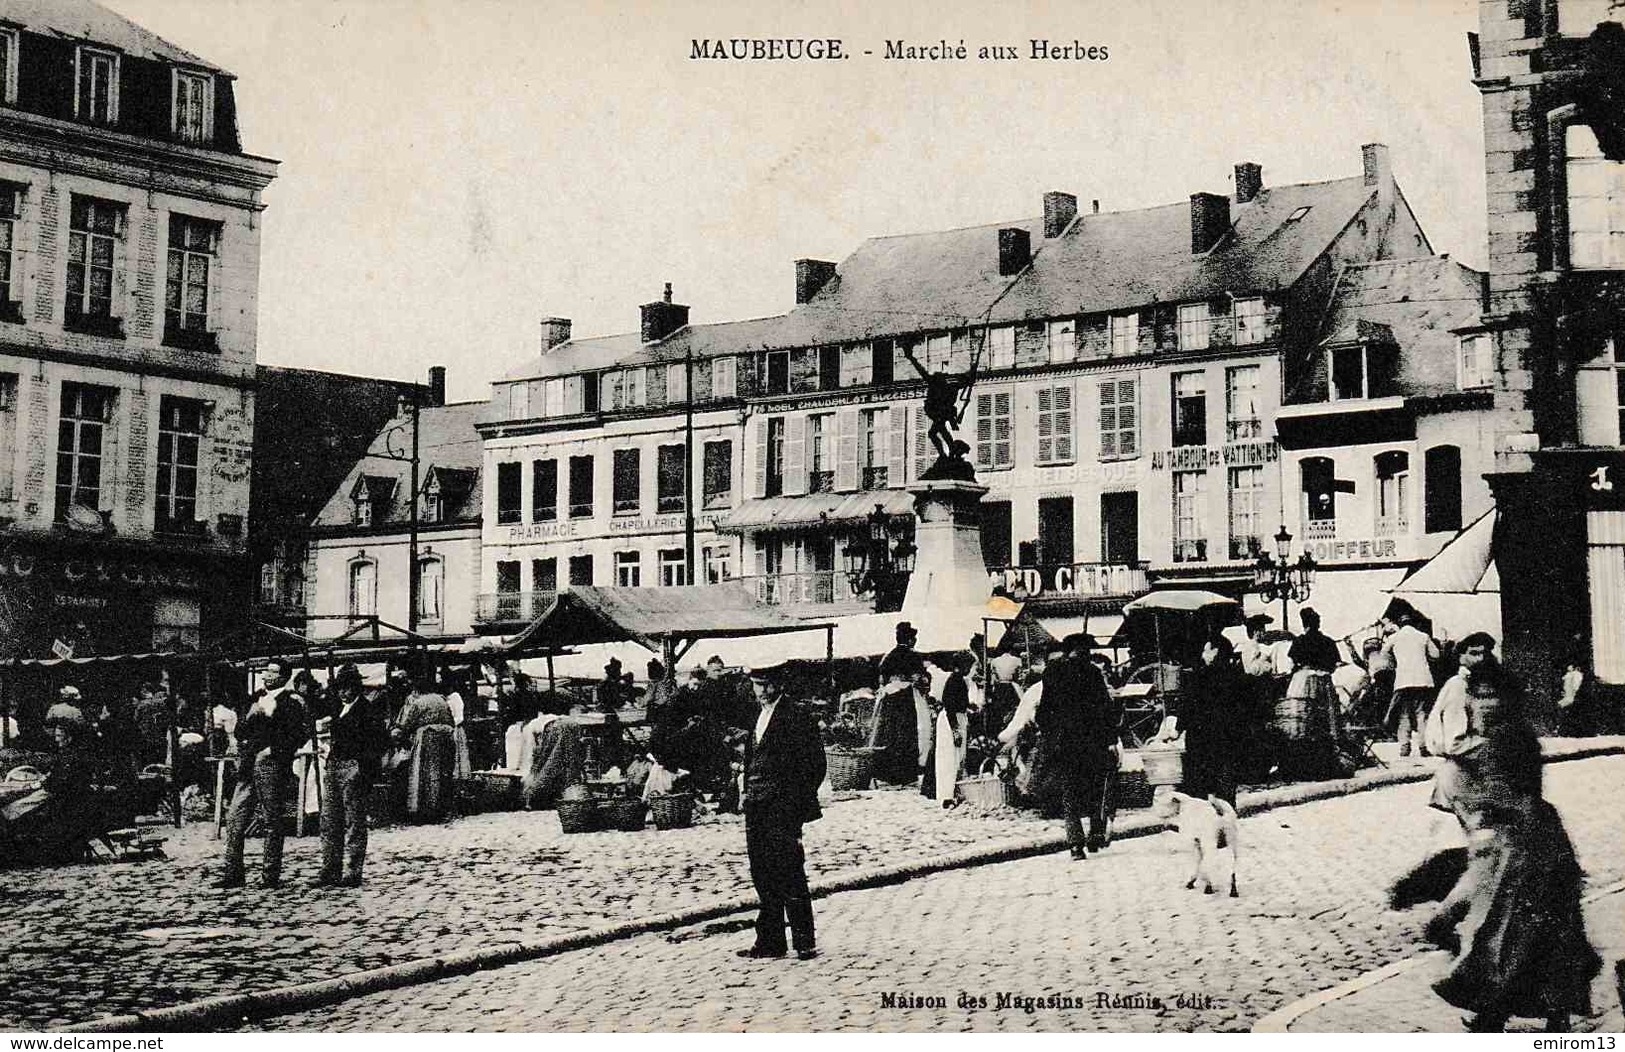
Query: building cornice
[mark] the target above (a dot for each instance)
(137, 366)
(392, 530)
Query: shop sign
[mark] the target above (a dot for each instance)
(542, 531)
(1603, 483)
(1200, 458)
(1083, 580)
(76, 576)
(661, 524)
(1363, 548)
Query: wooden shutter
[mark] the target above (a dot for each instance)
(1063, 423)
(924, 452)
(896, 446)
(1128, 418)
(758, 459)
(846, 450)
(795, 454)
(121, 284)
(213, 311)
(984, 431)
(1004, 438)
(1108, 419)
(1046, 424)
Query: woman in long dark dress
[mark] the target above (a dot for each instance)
(895, 735)
(1516, 913)
(1210, 716)
(942, 767)
(1308, 718)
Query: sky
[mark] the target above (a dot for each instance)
(455, 170)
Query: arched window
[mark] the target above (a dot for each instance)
(363, 588)
(1441, 489)
(431, 587)
(1393, 470)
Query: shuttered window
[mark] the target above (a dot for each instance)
(1119, 419)
(995, 428)
(1055, 425)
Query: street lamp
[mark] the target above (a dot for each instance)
(393, 440)
(879, 562)
(1276, 578)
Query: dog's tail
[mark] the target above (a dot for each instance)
(1222, 806)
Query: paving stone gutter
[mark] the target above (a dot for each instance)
(219, 1013)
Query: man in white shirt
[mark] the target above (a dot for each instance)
(1412, 653)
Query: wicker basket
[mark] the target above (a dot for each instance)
(626, 815)
(1134, 791)
(1163, 766)
(672, 811)
(579, 816)
(849, 769)
(986, 790)
(484, 791)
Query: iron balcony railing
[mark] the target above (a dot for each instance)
(502, 607)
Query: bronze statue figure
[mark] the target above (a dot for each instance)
(946, 398)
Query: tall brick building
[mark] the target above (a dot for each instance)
(1556, 190)
(129, 273)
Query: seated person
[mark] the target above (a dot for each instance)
(52, 823)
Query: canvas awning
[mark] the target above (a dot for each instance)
(1459, 589)
(585, 615)
(815, 509)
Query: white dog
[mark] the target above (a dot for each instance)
(1209, 824)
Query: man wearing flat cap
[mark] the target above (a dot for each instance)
(784, 766)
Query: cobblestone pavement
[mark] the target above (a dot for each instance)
(93, 940)
(1311, 915)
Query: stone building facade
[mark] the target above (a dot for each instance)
(129, 272)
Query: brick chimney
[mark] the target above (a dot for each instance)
(1210, 220)
(1379, 174)
(554, 332)
(812, 275)
(1015, 250)
(437, 385)
(1249, 180)
(662, 317)
(1059, 211)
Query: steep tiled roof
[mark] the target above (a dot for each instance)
(447, 442)
(1419, 302)
(87, 20)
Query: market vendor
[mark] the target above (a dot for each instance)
(51, 823)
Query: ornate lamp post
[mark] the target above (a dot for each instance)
(879, 562)
(1276, 578)
(394, 440)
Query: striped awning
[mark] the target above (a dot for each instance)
(812, 510)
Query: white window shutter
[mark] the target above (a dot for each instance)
(984, 431)
(1128, 418)
(895, 446)
(1063, 423)
(846, 450)
(1599, 409)
(795, 454)
(758, 459)
(922, 442)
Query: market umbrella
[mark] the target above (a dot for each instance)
(1179, 600)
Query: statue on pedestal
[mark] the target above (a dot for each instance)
(947, 396)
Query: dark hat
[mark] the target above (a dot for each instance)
(1078, 641)
(772, 673)
(612, 663)
(1259, 619)
(905, 629)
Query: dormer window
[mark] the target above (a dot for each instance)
(95, 96)
(8, 66)
(1474, 361)
(363, 507)
(1361, 370)
(192, 114)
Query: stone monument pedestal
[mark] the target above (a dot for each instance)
(949, 573)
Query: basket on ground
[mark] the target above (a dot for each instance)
(484, 791)
(626, 815)
(849, 768)
(1163, 766)
(989, 788)
(579, 816)
(1133, 790)
(672, 811)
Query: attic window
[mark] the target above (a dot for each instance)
(363, 507)
(95, 96)
(1298, 213)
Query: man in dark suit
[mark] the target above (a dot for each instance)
(784, 766)
(267, 737)
(358, 738)
(1079, 721)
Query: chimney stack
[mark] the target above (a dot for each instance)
(1059, 211)
(437, 385)
(812, 275)
(1249, 180)
(1210, 220)
(1374, 158)
(663, 317)
(1015, 250)
(554, 332)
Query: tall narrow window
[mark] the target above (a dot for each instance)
(96, 87)
(1241, 416)
(1249, 314)
(1441, 489)
(1475, 365)
(677, 383)
(431, 587)
(673, 568)
(544, 575)
(995, 429)
(719, 474)
(821, 453)
(1125, 335)
(719, 563)
(626, 480)
(193, 111)
(1190, 516)
(86, 412)
(509, 502)
(775, 456)
(1063, 340)
(1246, 511)
(873, 456)
(938, 350)
(193, 246)
(670, 466)
(1055, 424)
(722, 377)
(544, 490)
(1190, 409)
(95, 241)
(8, 435)
(857, 365)
(1319, 495)
(180, 433)
(628, 569)
(1195, 322)
(8, 66)
(1596, 198)
(363, 588)
(1119, 420)
(1001, 347)
(11, 212)
(581, 487)
(1393, 471)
